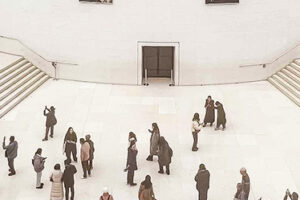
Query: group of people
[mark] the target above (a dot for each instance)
(208, 119)
(158, 147)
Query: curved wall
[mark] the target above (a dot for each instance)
(102, 39)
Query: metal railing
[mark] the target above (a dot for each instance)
(172, 78)
(146, 78)
(269, 63)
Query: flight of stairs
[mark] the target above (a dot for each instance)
(287, 80)
(17, 81)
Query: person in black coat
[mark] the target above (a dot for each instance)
(70, 144)
(165, 154)
(202, 180)
(221, 120)
(92, 150)
(11, 152)
(210, 111)
(131, 164)
(50, 121)
(68, 179)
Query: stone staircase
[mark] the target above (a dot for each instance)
(287, 80)
(17, 81)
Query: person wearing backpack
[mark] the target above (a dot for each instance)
(50, 121)
(38, 163)
(106, 195)
(165, 154)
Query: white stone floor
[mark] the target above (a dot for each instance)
(262, 134)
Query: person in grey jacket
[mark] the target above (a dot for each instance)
(155, 134)
(165, 154)
(38, 164)
(202, 178)
(11, 152)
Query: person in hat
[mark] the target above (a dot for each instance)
(106, 195)
(50, 121)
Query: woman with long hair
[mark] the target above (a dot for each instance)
(154, 140)
(70, 144)
(146, 190)
(38, 164)
(131, 164)
(196, 127)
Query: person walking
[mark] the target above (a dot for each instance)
(92, 150)
(50, 121)
(165, 154)
(70, 144)
(210, 111)
(196, 128)
(146, 190)
(245, 183)
(221, 119)
(11, 152)
(131, 164)
(106, 195)
(38, 164)
(202, 179)
(155, 134)
(68, 179)
(85, 156)
(57, 192)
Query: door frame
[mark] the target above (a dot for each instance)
(141, 44)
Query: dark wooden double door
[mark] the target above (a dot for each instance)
(159, 61)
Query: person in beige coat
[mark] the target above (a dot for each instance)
(85, 156)
(146, 190)
(57, 192)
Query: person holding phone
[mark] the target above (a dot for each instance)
(11, 152)
(50, 121)
(293, 196)
(38, 163)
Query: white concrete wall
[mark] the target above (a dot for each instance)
(102, 39)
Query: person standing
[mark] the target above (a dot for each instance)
(68, 179)
(50, 121)
(85, 156)
(155, 134)
(57, 192)
(196, 128)
(293, 196)
(245, 183)
(165, 154)
(131, 164)
(210, 111)
(146, 190)
(106, 195)
(11, 152)
(221, 119)
(70, 144)
(92, 150)
(202, 180)
(38, 164)
(238, 194)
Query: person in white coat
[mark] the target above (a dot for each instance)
(57, 192)
(196, 127)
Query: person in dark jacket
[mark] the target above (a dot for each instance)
(238, 194)
(293, 196)
(155, 134)
(50, 121)
(245, 183)
(11, 152)
(131, 137)
(38, 164)
(68, 179)
(221, 119)
(92, 150)
(131, 164)
(210, 111)
(202, 179)
(70, 144)
(165, 154)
